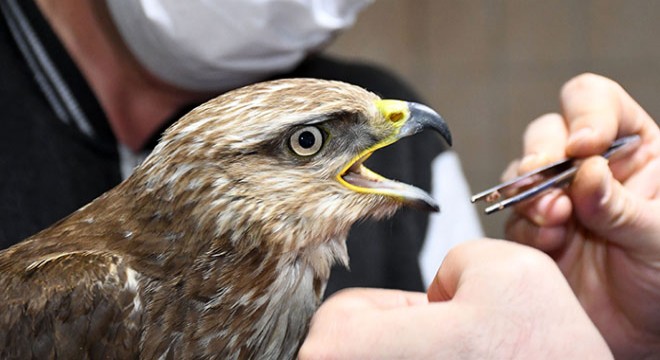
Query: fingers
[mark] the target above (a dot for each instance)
(598, 110)
(485, 267)
(378, 298)
(548, 239)
(595, 111)
(543, 142)
(499, 306)
(537, 222)
(607, 208)
(379, 324)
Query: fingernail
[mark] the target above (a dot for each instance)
(542, 207)
(527, 161)
(511, 171)
(580, 136)
(532, 161)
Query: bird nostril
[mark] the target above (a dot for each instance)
(395, 116)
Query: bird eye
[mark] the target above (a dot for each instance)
(306, 141)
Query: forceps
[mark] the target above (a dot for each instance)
(537, 181)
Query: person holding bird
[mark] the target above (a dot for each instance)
(89, 88)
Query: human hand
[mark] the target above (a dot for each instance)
(604, 229)
(490, 299)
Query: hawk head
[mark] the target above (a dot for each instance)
(221, 242)
(285, 159)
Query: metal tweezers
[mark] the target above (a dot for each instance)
(538, 181)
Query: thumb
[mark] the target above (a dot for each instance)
(606, 208)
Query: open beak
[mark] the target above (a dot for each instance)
(408, 119)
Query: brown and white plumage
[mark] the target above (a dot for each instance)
(221, 242)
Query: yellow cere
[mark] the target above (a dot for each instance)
(394, 110)
(397, 112)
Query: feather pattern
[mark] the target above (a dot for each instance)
(218, 246)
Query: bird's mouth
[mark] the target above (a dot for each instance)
(410, 118)
(359, 178)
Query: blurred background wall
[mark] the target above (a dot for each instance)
(491, 66)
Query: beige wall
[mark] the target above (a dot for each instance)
(489, 67)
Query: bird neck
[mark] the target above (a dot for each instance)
(219, 284)
(264, 297)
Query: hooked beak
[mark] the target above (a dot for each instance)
(408, 119)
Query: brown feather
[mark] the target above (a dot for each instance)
(219, 245)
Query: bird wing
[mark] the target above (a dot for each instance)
(77, 304)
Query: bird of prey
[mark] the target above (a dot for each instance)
(220, 244)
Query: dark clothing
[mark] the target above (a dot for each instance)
(57, 151)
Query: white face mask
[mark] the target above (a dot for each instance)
(221, 44)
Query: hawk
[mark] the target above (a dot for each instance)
(220, 244)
